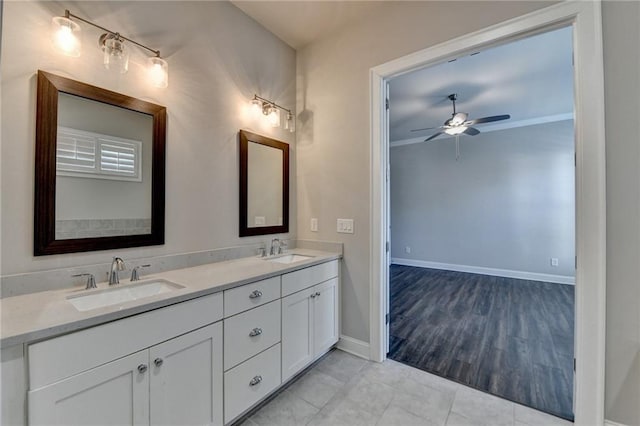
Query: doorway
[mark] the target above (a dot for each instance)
(483, 220)
(584, 17)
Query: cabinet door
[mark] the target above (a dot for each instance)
(297, 339)
(186, 379)
(325, 316)
(116, 393)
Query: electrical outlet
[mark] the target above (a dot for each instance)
(407, 249)
(314, 224)
(345, 226)
(554, 261)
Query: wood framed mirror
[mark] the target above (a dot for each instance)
(99, 169)
(264, 185)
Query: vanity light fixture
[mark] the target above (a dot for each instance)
(66, 39)
(272, 111)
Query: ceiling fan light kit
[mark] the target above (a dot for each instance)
(458, 123)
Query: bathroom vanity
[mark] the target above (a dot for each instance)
(226, 336)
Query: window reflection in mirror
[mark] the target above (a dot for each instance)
(103, 170)
(99, 168)
(264, 185)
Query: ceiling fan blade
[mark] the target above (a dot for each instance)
(426, 128)
(471, 131)
(435, 135)
(487, 119)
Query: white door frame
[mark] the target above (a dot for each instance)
(585, 16)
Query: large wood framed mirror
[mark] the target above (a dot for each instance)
(99, 169)
(264, 185)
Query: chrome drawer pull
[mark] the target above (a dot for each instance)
(158, 362)
(255, 332)
(255, 294)
(255, 380)
(142, 368)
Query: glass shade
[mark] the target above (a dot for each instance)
(116, 55)
(65, 35)
(456, 130)
(274, 117)
(256, 106)
(290, 123)
(158, 72)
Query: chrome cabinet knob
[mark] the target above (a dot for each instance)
(142, 368)
(313, 295)
(158, 362)
(255, 332)
(255, 294)
(317, 293)
(255, 380)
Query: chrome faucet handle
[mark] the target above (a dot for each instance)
(272, 250)
(282, 247)
(116, 265)
(262, 250)
(135, 275)
(91, 280)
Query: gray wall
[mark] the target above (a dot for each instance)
(508, 202)
(333, 156)
(218, 58)
(621, 28)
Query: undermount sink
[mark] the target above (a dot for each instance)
(289, 258)
(121, 294)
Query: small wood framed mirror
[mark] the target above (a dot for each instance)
(264, 185)
(99, 169)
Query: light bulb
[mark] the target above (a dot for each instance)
(158, 72)
(65, 36)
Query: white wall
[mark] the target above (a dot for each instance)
(508, 202)
(218, 58)
(333, 156)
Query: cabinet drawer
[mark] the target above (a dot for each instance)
(250, 333)
(251, 381)
(64, 356)
(249, 296)
(304, 278)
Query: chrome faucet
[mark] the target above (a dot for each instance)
(135, 275)
(116, 265)
(275, 242)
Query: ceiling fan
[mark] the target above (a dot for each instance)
(458, 123)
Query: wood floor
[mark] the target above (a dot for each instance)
(508, 337)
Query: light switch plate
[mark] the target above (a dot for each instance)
(345, 226)
(314, 224)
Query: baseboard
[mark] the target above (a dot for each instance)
(354, 346)
(522, 275)
(610, 423)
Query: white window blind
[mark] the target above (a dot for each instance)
(93, 155)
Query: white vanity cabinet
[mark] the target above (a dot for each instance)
(175, 381)
(309, 316)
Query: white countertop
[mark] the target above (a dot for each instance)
(42, 315)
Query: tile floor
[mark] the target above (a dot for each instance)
(343, 389)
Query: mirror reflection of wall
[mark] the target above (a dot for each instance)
(264, 185)
(103, 173)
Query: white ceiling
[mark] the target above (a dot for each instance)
(298, 23)
(530, 79)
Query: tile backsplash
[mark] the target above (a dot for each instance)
(32, 282)
(87, 228)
